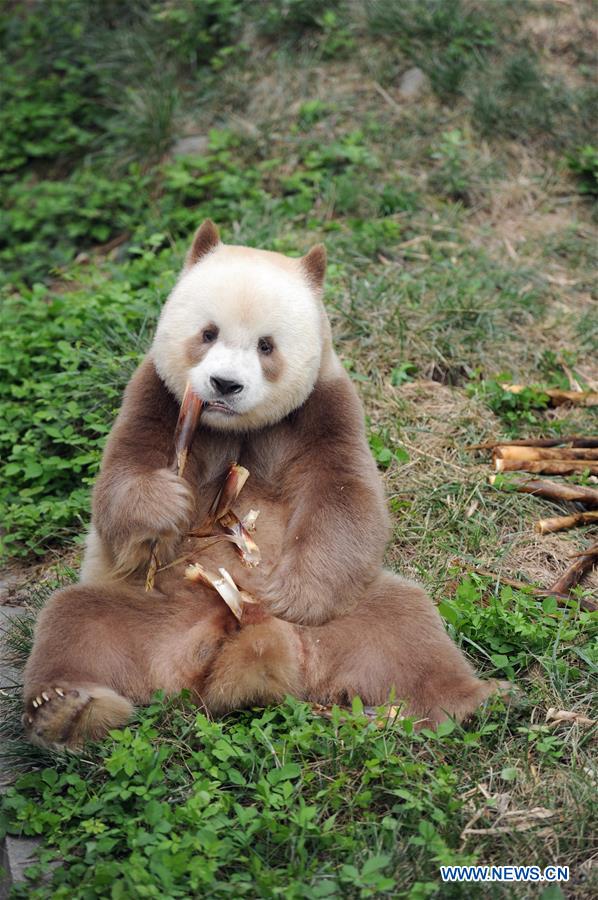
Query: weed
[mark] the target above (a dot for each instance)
(459, 172)
(516, 629)
(297, 21)
(311, 112)
(584, 164)
(514, 409)
(65, 67)
(400, 374)
(521, 99)
(382, 453)
(444, 37)
(57, 344)
(48, 222)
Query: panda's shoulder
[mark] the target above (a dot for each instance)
(332, 410)
(146, 392)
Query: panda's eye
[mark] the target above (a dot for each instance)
(265, 345)
(209, 334)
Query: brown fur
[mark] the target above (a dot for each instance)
(205, 239)
(272, 365)
(195, 349)
(119, 646)
(331, 624)
(314, 265)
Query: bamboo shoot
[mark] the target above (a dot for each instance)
(547, 466)
(561, 523)
(555, 491)
(189, 414)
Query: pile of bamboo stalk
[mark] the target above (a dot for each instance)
(555, 456)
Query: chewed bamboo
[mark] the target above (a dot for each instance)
(250, 519)
(188, 419)
(246, 546)
(189, 414)
(233, 485)
(223, 584)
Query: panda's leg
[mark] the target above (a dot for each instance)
(99, 649)
(393, 646)
(259, 663)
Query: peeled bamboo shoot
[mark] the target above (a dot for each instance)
(561, 523)
(223, 584)
(553, 490)
(189, 414)
(533, 453)
(547, 466)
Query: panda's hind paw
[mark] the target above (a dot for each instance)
(61, 716)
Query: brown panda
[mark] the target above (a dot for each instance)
(248, 330)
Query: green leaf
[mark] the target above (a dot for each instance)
(448, 612)
(499, 660)
(549, 605)
(375, 863)
(445, 728)
(284, 773)
(357, 706)
(50, 776)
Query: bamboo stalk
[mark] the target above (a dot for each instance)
(575, 440)
(246, 546)
(233, 484)
(533, 453)
(547, 466)
(188, 418)
(236, 531)
(555, 491)
(561, 523)
(558, 397)
(223, 584)
(189, 414)
(250, 520)
(573, 575)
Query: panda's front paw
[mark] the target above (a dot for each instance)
(166, 504)
(155, 511)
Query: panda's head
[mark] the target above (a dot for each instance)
(247, 328)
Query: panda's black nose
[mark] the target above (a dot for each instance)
(224, 386)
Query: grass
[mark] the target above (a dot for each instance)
(461, 239)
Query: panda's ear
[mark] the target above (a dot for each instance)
(206, 238)
(314, 266)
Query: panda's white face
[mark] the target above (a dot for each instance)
(245, 328)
